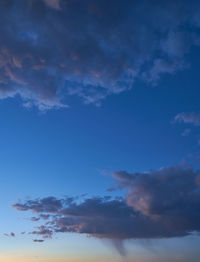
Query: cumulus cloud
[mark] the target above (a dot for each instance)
(157, 204)
(167, 194)
(53, 49)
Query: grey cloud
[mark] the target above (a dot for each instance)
(51, 49)
(38, 240)
(168, 194)
(43, 231)
(157, 204)
(53, 3)
(34, 219)
(48, 204)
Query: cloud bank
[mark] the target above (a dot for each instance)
(157, 204)
(51, 49)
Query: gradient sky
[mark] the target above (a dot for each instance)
(99, 130)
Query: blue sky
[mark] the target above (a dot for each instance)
(99, 131)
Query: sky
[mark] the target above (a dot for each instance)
(99, 131)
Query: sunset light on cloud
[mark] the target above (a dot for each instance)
(99, 130)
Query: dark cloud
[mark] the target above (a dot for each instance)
(46, 205)
(169, 194)
(38, 240)
(51, 49)
(43, 231)
(157, 204)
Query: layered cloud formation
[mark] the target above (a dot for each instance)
(157, 204)
(52, 49)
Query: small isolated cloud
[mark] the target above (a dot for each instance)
(38, 240)
(157, 204)
(53, 3)
(188, 118)
(10, 235)
(53, 49)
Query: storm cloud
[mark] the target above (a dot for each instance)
(157, 204)
(51, 49)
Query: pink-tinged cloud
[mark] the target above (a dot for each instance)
(158, 204)
(53, 3)
(51, 50)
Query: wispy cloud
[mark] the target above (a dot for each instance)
(188, 118)
(53, 3)
(186, 132)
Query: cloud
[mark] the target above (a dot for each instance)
(186, 132)
(53, 3)
(169, 194)
(188, 118)
(43, 231)
(38, 240)
(51, 50)
(34, 219)
(45, 205)
(10, 235)
(157, 204)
